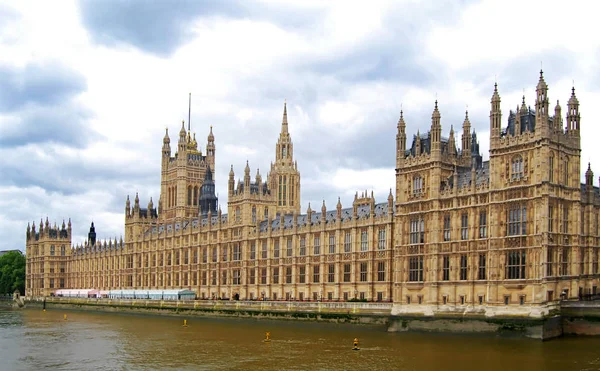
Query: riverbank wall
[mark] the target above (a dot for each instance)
(544, 328)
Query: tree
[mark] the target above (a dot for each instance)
(12, 272)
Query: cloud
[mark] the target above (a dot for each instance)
(37, 84)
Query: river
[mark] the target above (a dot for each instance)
(31, 339)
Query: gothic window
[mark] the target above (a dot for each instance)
(564, 266)
(51, 250)
(253, 250)
(62, 250)
(380, 271)
(238, 214)
(566, 171)
(482, 224)
(237, 277)
(447, 227)
(195, 196)
(515, 264)
(253, 214)
(276, 249)
(565, 223)
(280, 190)
(417, 184)
(302, 246)
(331, 273)
(289, 252)
(517, 168)
(252, 276)
(224, 253)
(415, 268)
(463, 267)
(381, 242)
(464, 226)
(482, 263)
(288, 275)
(266, 212)
(317, 245)
(417, 231)
(364, 241)
(446, 268)
(346, 272)
(292, 188)
(264, 249)
(332, 243)
(550, 262)
(189, 199)
(284, 151)
(284, 190)
(347, 242)
(316, 274)
(517, 220)
(302, 275)
(363, 272)
(263, 276)
(551, 168)
(237, 252)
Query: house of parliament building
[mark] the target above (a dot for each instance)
(505, 235)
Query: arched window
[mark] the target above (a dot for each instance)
(417, 184)
(266, 212)
(238, 214)
(195, 196)
(551, 168)
(189, 199)
(517, 168)
(254, 214)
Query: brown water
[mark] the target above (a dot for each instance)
(34, 340)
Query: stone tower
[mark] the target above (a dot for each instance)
(284, 178)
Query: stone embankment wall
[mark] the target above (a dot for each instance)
(570, 318)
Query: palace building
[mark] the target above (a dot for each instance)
(506, 235)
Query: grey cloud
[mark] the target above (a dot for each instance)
(41, 84)
(160, 27)
(63, 124)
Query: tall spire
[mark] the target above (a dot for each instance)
(284, 122)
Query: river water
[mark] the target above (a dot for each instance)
(32, 340)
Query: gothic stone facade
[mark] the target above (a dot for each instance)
(507, 235)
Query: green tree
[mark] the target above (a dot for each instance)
(12, 273)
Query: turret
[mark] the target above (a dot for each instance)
(211, 150)
(339, 209)
(495, 114)
(390, 202)
(166, 149)
(323, 212)
(258, 178)
(573, 118)
(69, 227)
(28, 231)
(208, 199)
(231, 183)
(541, 103)
(589, 178)
(418, 143)
(182, 139)
(466, 136)
(92, 235)
(247, 178)
(451, 142)
(400, 140)
(127, 206)
(136, 204)
(150, 207)
(436, 130)
(558, 118)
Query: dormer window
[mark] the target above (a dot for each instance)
(517, 168)
(417, 184)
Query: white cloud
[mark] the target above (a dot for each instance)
(345, 68)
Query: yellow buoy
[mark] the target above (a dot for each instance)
(267, 337)
(65, 317)
(185, 323)
(355, 344)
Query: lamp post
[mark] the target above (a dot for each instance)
(355, 294)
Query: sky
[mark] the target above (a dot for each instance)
(87, 89)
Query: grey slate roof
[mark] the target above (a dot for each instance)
(362, 212)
